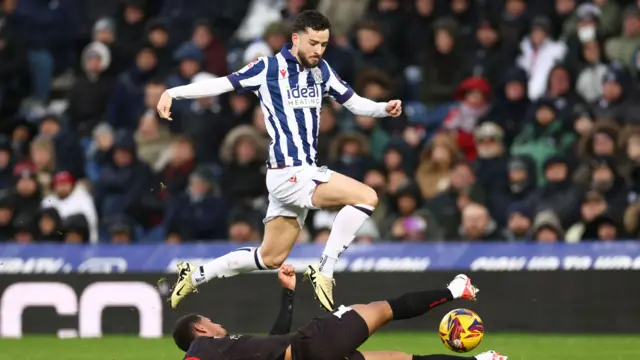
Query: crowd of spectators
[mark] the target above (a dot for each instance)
(520, 119)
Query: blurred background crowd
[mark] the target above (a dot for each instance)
(521, 119)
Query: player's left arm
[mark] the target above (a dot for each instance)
(344, 94)
(287, 278)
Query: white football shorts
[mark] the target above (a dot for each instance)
(291, 189)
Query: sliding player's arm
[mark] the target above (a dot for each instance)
(287, 277)
(344, 94)
(248, 78)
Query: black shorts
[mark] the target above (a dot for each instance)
(331, 337)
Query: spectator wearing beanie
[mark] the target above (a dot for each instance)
(547, 228)
(520, 185)
(189, 58)
(49, 225)
(616, 87)
(120, 229)
(76, 229)
(520, 220)
(244, 225)
(70, 198)
(491, 163)
(104, 32)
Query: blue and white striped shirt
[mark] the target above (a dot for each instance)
(291, 98)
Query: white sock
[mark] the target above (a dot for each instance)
(236, 262)
(346, 224)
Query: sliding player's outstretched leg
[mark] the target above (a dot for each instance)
(397, 355)
(279, 236)
(339, 335)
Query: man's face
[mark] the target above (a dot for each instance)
(607, 232)
(487, 36)
(514, 91)
(311, 46)
(547, 235)
(146, 60)
(189, 68)
(591, 209)
(49, 127)
(47, 225)
(369, 40)
(206, 327)
(159, 37)
(538, 35)
(26, 186)
(556, 172)
(474, 223)
(201, 37)
(152, 94)
(545, 115)
(63, 189)
(93, 64)
(519, 224)
(122, 158)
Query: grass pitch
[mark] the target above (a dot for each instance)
(516, 346)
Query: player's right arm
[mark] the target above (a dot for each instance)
(287, 277)
(248, 78)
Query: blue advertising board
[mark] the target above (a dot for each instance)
(105, 258)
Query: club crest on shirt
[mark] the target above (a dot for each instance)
(317, 75)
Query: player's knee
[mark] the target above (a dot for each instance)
(369, 197)
(273, 261)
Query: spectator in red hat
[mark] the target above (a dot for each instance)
(70, 198)
(474, 94)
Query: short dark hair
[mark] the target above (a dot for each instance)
(312, 19)
(183, 331)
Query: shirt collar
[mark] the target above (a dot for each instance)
(286, 53)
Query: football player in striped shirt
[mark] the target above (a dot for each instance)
(290, 87)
